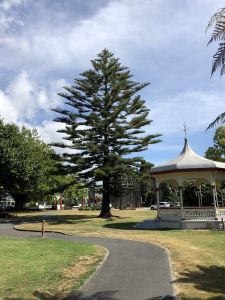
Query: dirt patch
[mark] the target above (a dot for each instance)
(73, 273)
(74, 276)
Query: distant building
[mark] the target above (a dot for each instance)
(126, 192)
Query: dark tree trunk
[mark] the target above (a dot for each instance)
(20, 200)
(105, 211)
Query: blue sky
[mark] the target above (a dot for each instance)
(45, 44)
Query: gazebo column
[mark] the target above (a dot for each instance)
(214, 198)
(217, 202)
(199, 192)
(214, 192)
(181, 201)
(222, 199)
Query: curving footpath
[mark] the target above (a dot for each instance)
(132, 270)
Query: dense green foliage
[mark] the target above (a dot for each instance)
(190, 196)
(25, 163)
(74, 193)
(146, 184)
(104, 123)
(217, 152)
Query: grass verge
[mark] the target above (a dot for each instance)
(45, 269)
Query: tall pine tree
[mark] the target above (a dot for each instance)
(104, 123)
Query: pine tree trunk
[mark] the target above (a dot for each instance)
(105, 211)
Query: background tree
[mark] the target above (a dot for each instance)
(69, 186)
(218, 34)
(25, 163)
(146, 183)
(217, 152)
(190, 197)
(166, 193)
(74, 195)
(105, 123)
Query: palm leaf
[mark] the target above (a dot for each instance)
(218, 33)
(218, 59)
(216, 18)
(219, 120)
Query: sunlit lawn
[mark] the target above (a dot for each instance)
(44, 269)
(198, 257)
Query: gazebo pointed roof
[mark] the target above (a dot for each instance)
(187, 160)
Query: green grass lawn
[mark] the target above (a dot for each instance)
(44, 269)
(198, 256)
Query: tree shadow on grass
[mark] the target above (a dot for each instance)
(12, 298)
(124, 226)
(106, 295)
(131, 226)
(68, 219)
(209, 279)
(54, 219)
(162, 298)
(103, 295)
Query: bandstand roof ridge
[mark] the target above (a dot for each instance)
(187, 160)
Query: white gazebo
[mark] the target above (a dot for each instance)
(190, 166)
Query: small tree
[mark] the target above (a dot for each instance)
(105, 123)
(217, 152)
(25, 163)
(73, 192)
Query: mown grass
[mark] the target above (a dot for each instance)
(198, 257)
(44, 269)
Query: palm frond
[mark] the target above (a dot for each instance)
(218, 33)
(219, 120)
(218, 59)
(222, 71)
(216, 18)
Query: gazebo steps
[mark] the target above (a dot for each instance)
(186, 224)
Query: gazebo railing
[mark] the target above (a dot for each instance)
(199, 214)
(221, 213)
(169, 213)
(189, 213)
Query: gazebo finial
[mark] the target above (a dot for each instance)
(185, 129)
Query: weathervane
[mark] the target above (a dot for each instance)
(185, 129)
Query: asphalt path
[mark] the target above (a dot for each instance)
(131, 271)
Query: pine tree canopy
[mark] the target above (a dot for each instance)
(104, 121)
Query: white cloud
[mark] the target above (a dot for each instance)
(195, 108)
(7, 111)
(8, 4)
(48, 131)
(21, 93)
(124, 26)
(7, 20)
(161, 40)
(24, 100)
